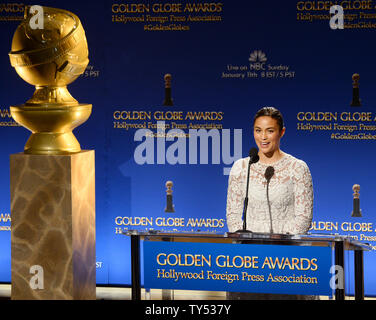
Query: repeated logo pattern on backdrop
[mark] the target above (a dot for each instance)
(174, 86)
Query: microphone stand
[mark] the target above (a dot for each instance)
(245, 207)
(269, 172)
(253, 158)
(270, 212)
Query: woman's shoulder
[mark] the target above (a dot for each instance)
(295, 160)
(240, 162)
(239, 166)
(296, 164)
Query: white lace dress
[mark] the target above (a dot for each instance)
(290, 195)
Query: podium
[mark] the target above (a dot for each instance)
(258, 252)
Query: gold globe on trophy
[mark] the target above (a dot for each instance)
(50, 58)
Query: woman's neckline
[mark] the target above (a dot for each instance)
(284, 156)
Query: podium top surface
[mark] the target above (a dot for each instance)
(250, 237)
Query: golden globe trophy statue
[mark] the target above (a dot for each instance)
(357, 212)
(169, 204)
(168, 101)
(356, 101)
(50, 59)
(52, 181)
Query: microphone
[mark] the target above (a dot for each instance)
(253, 158)
(253, 155)
(269, 172)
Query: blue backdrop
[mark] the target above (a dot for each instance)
(227, 59)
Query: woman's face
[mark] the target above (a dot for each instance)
(267, 134)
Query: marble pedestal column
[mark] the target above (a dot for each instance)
(53, 226)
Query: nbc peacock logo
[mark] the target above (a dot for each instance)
(257, 55)
(257, 60)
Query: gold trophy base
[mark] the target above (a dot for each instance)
(53, 226)
(51, 126)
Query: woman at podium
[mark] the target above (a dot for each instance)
(281, 203)
(280, 192)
